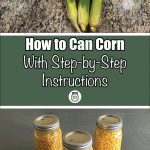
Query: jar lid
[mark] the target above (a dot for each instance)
(110, 122)
(77, 140)
(46, 122)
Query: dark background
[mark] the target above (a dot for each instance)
(16, 126)
(22, 87)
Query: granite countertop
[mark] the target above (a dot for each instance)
(50, 16)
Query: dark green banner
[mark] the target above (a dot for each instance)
(99, 70)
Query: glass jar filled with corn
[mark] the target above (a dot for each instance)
(77, 140)
(108, 133)
(48, 135)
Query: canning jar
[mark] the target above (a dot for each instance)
(48, 135)
(108, 133)
(77, 140)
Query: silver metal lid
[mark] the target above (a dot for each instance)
(46, 122)
(77, 140)
(109, 122)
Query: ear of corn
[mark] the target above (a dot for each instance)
(83, 13)
(95, 14)
(72, 13)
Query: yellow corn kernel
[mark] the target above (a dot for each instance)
(48, 140)
(73, 13)
(107, 139)
(95, 14)
(83, 13)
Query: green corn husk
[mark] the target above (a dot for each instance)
(83, 13)
(95, 14)
(73, 13)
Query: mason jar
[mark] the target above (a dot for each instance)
(77, 140)
(48, 135)
(108, 133)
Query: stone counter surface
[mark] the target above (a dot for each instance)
(40, 16)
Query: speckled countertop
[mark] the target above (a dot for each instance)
(50, 16)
